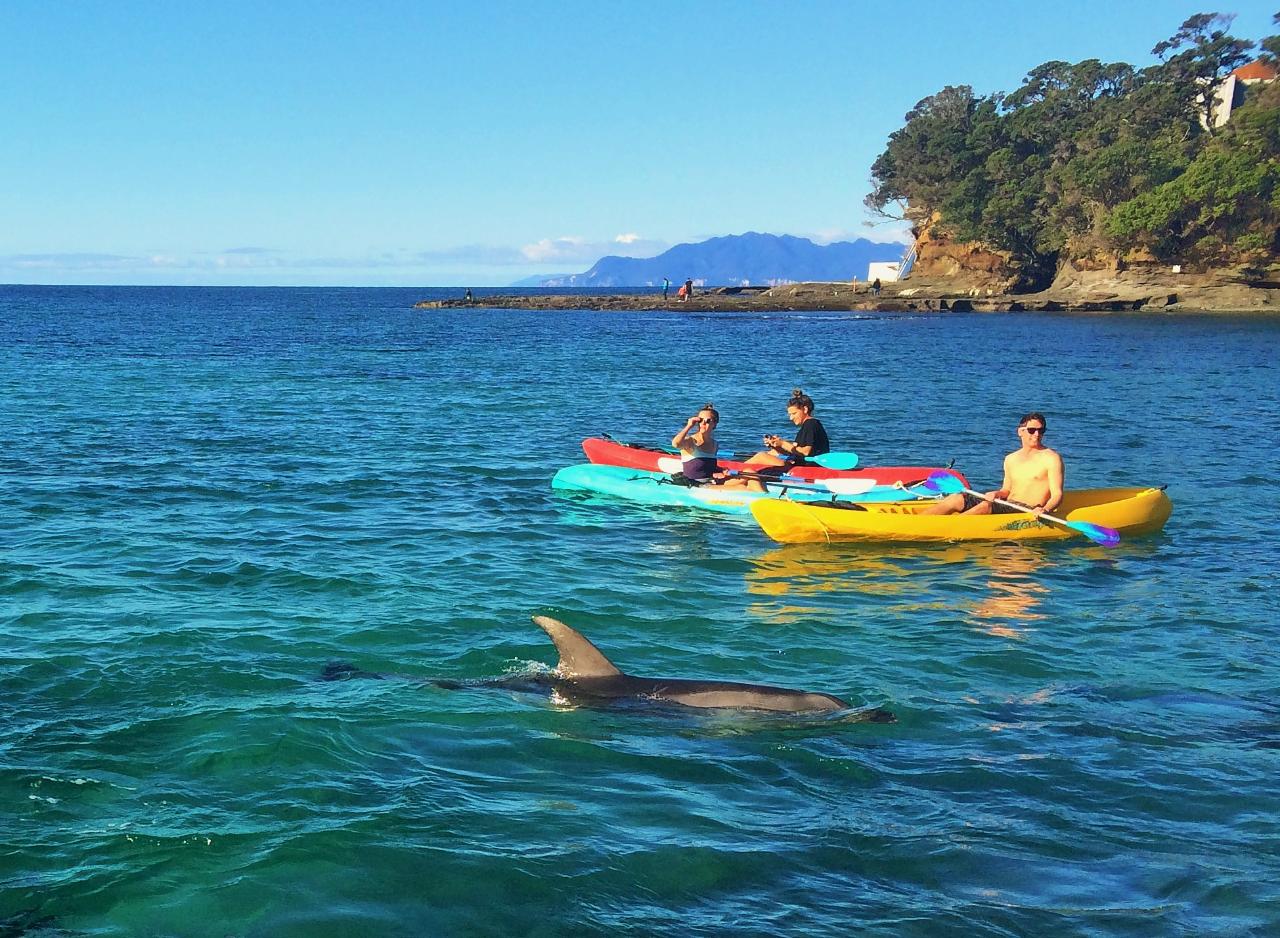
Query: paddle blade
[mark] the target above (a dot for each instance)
(847, 486)
(1107, 537)
(942, 483)
(836, 460)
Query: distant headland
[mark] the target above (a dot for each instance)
(751, 259)
(1094, 186)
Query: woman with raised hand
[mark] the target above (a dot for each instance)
(697, 445)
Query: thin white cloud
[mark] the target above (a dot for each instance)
(231, 260)
(561, 253)
(831, 235)
(556, 250)
(70, 261)
(571, 249)
(486, 255)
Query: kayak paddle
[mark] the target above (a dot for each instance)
(835, 460)
(944, 483)
(670, 464)
(827, 460)
(835, 486)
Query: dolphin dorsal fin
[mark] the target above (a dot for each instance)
(578, 657)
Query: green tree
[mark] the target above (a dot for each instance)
(1271, 46)
(1031, 202)
(1227, 201)
(1131, 143)
(1097, 156)
(922, 161)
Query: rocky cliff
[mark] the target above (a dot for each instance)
(1089, 274)
(962, 266)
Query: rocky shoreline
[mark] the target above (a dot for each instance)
(1129, 291)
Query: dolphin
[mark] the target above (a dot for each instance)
(584, 672)
(585, 676)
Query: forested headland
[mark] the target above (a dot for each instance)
(1098, 165)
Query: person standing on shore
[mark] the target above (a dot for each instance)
(1033, 477)
(688, 288)
(666, 285)
(875, 287)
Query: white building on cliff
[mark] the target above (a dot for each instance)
(1230, 94)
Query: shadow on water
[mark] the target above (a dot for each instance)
(28, 922)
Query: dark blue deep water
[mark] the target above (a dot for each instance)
(209, 494)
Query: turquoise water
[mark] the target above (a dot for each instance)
(210, 494)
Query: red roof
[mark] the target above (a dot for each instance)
(1255, 71)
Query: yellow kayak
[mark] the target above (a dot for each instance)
(1132, 512)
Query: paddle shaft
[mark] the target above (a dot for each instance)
(1104, 534)
(832, 486)
(783, 482)
(837, 460)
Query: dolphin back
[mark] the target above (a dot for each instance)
(578, 657)
(731, 694)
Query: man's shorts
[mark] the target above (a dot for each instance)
(1017, 508)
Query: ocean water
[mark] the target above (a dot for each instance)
(210, 494)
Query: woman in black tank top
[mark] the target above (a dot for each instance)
(810, 441)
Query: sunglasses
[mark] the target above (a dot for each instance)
(1035, 429)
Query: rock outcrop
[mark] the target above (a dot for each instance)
(1091, 291)
(1087, 277)
(962, 265)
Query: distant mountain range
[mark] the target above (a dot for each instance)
(733, 260)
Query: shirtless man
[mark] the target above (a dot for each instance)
(1032, 477)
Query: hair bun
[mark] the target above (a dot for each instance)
(708, 406)
(800, 399)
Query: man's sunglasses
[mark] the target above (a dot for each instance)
(1034, 429)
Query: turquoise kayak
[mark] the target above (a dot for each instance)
(656, 488)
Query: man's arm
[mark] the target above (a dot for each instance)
(1056, 472)
(1007, 485)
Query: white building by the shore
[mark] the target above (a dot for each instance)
(884, 271)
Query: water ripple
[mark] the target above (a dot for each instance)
(213, 493)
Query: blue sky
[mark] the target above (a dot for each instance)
(466, 144)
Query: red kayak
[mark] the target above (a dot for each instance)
(634, 456)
